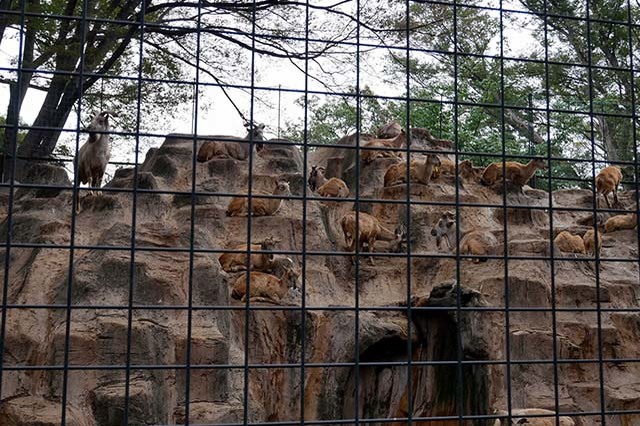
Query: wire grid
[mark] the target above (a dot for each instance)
(461, 416)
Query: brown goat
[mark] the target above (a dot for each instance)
(279, 265)
(478, 243)
(607, 182)
(259, 206)
(369, 229)
(368, 155)
(324, 187)
(399, 244)
(418, 172)
(445, 229)
(232, 149)
(567, 242)
(621, 221)
(446, 167)
(264, 287)
(515, 172)
(233, 262)
(590, 241)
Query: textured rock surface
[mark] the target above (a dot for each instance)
(160, 280)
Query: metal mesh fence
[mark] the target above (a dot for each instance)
(475, 263)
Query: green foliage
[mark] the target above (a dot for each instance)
(21, 133)
(335, 118)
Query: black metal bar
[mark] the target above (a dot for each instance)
(192, 225)
(305, 165)
(310, 365)
(636, 171)
(603, 407)
(505, 250)
(554, 321)
(134, 222)
(285, 37)
(356, 266)
(75, 207)
(247, 312)
(335, 94)
(399, 308)
(456, 136)
(407, 206)
(12, 182)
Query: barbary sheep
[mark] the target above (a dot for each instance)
(445, 229)
(94, 155)
(607, 182)
(566, 242)
(238, 150)
(399, 244)
(279, 265)
(370, 230)
(264, 287)
(418, 172)
(478, 243)
(233, 262)
(446, 167)
(590, 241)
(515, 172)
(239, 206)
(621, 221)
(324, 187)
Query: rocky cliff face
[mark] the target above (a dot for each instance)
(159, 277)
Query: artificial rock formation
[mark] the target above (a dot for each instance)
(160, 278)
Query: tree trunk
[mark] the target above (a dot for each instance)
(17, 92)
(601, 126)
(5, 18)
(39, 143)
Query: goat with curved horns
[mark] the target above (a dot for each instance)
(94, 155)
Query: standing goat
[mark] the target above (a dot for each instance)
(418, 172)
(515, 172)
(239, 206)
(238, 150)
(369, 230)
(607, 182)
(324, 187)
(94, 155)
(445, 229)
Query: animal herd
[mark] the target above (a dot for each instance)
(271, 277)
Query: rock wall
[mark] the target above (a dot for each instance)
(103, 276)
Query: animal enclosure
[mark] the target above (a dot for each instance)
(319, 213)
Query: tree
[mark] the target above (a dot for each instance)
(67, 57)
(333, 119)
(481, 75)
